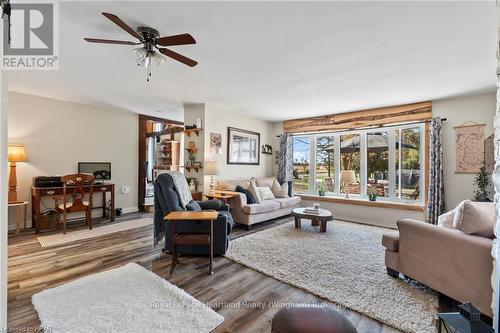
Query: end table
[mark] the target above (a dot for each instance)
(192, 238)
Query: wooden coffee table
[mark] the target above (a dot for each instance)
(320, 219)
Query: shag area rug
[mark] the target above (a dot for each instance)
(344, 265)
(126, 299)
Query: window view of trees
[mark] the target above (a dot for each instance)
(377, 145)
(325, 168)
(408, 171)
(350, 159)
(301, 158)
(315, 168)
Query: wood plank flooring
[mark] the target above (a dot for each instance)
(235, 291)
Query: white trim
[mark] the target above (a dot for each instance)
(3, 197)
(127, 210)
(368, 222)
(363, 164)
(336, 163)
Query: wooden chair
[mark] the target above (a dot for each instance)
(73, 188)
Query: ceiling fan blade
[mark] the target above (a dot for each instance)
(178, 57)
(181, 39)
(116, 20)
(109, 41)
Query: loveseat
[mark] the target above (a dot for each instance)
(453, 258)
(248, 214)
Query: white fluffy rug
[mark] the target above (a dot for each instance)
(344, 265)
(126, 299)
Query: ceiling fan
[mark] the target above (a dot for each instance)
(151, 43)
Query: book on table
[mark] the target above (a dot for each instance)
(311, 210)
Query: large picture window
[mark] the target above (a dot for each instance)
(388, 161)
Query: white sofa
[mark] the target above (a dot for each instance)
(248, 214)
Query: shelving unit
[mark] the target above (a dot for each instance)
(189, 168)
(168, 155)
(193, 130)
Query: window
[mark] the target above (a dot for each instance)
(377, 163)
(388, 162)
(350, 163)
(325, 167)
(301, 159)
(408, 171)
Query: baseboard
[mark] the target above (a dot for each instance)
(368, 222)
(130, 210)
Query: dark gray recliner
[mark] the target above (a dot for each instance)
(167, 200)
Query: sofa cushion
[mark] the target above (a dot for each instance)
(265, 193)
(250, 197)
(475, 218)
(446, 220)
(390, 241)
(263, 207)
(231, 184)
(288, 202)
(252, 188)
(265, 181)
(280, 191)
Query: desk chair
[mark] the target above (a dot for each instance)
(73, 189)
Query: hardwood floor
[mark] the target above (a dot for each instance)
(231, 287)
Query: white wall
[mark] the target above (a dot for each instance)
(217, 120)
(58, 134)
(477, 108)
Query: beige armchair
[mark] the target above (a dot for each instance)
(448, 260)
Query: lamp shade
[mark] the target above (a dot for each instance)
(16, 153)
(211, 168)
(347, 176)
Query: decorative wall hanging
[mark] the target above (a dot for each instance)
(489, 154)
(469, 147)
(243, 147)
(216, 143)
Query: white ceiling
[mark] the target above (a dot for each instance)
(275, 60)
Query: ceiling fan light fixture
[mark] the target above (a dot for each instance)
(140, 56)
(159, 59)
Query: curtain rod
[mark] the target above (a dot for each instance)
(375, 127)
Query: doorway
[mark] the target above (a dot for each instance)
(160, 148)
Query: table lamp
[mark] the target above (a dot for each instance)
(15, 154)
(347, 177)
(211, 169)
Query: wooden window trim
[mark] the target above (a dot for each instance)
(417, 112)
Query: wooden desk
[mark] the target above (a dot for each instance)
(192, 238)
(37, 193)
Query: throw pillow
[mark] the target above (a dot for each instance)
(252, 188)
(476, 218)
(193, 206)
(265, 193)
(446, 220)
(280, 191)
(250, 197)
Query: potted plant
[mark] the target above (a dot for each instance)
(191, 158)
(372, 193)
(482, 181)
(321, 189)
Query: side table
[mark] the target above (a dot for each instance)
(181, 238)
